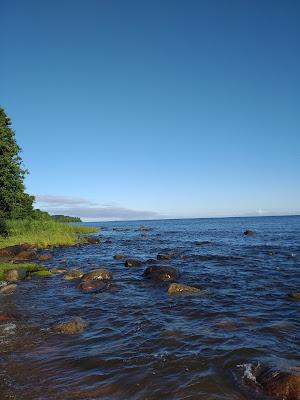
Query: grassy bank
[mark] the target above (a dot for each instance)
(43, 233)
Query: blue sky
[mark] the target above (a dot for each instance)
(148, 109)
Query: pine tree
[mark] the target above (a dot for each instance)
(14, 202)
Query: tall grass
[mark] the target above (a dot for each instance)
(43, 233)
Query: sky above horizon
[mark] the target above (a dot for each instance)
(155, 109)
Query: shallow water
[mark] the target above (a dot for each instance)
(142, 343)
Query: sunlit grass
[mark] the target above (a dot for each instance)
(44, 233)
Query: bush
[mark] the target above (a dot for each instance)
(4, 231)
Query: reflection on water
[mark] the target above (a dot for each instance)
(142, 343)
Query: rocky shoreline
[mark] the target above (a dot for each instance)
(281, 385)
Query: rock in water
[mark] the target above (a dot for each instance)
(132, 262)
(92, 240)
(166, 256)
(249, 233)
(161, 273)
(92, 286)
(120, 256)
(8, 289)
(100, 274)
(70, 327)
(73, 274)
(45, 257)
(295, 295)
(177, 288)
(13, 251)
(280, 385)
(26, 255)
(14, 275)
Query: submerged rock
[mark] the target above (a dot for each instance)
(161, 273)
(132, 262)
(92, 240)
(248, 232)
(45, 257)
(73, 274)
(295, 295)
(226, 325)
(14, 275)
(178, 288)
(202, 242)
(98, 274)
(120, 256)
(166, 256)
(144, 228)
(92, 286)
(8, 289)
(9, 316)
(280, 385)
(70, 327)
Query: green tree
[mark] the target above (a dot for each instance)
(14, 202)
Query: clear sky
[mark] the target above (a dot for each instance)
(142, 109)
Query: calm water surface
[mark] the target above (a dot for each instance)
(142, 343)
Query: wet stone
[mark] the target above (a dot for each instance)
(14, 275)
(248, 232)
(120, 256)
(295, 295)
(73, 274)
(92, 286)
(161, 273)
(45, 257)
(132, 262)
(166, 256)
(280, 385)
(71, 327)
(98, 274)
(8, 289)
(178, 288)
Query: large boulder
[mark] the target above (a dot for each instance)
(70, 327)
(14, 275)
(161, 273)
(132, 262)
(92, 286)
(98, 274)
(178, 288)
(280, 385)
(26, 255)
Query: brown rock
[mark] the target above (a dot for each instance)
(295, 295)
(120, 256)
(280, 385)
(8, 289)
(58, 270)
(9, 316)
(132, 262)
(45, 257)
(226, 325)
(14, 275)
(92, 240)
(98, 274)
(13, 251)
(73, 274)
(166, 256)
(70, 327)
(144, 228)
(177, 288)
(92, 286)
(161, 273)
(26, 255)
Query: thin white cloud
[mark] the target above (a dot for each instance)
(87, 210)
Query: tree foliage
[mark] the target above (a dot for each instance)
(15, 203)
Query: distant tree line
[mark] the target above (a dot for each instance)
(15, 203)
